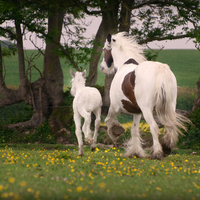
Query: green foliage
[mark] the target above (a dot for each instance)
(68, 98)
(42, 134)
(15, 113)
(150, 55)
(185, 101)
(192, 136)
(8, 52)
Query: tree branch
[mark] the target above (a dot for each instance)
(169, 37)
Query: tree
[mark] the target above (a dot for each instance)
(46, 93)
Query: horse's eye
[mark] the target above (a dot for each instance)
(114, 40)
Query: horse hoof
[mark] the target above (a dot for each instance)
(88, 141)
(117, 130)
(80, 154)
(93, 147)
(131, 155)
(166, 149)
(156, 156)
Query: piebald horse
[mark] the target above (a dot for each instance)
(86, 100)
(140, 87)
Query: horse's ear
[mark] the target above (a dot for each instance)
(109, 38)
(72, 73)
(84, 73)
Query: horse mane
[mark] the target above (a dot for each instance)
(127, 44)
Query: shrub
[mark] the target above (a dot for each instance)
(185, 100)
(192, 136)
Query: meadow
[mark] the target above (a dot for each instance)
(57, 172)
(53, 171)
(183, 63)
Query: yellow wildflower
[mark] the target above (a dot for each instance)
(23, 183)
(11, 180)
(158, 188)
(102, 185)
(79, 189)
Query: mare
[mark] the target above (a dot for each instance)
(140, 87)
(86, 100)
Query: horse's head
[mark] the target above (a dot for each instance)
(107, 65)
(118, 49)
(78, 81)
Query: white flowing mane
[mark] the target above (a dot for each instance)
(127, 44)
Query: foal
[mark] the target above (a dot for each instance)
(86, 101)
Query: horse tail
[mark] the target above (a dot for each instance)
(166, 94)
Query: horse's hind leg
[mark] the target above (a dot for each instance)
(86, 127)
(96, 128)
(168, 141)
(134, 145)
(77, 120)
(156, 152)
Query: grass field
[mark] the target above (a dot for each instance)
(184, 64)
(44, 171)
(56, 172)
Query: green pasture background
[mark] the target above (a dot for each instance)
(185, 64)
(43, 171)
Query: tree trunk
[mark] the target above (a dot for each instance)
(46, 93)
(124, 20)
(53, 75)
(8, 96)
(108, 25)
(125, 15)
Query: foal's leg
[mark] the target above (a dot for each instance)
(77, 120)
(114, 127)
(156, 152)
(86, 127)
(134, 145)
(96, 128)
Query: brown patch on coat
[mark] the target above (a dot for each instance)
(108, 57)
(131, 61)
(128, 86)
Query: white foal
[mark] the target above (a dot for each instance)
(86, 101)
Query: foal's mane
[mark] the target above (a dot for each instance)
(127, 44)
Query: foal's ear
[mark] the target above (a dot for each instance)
(109, 38)
(84, 73)
(72, 73)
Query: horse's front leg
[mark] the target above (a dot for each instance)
(114, 127)
(134, 145)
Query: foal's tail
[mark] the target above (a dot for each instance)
(166, 93)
